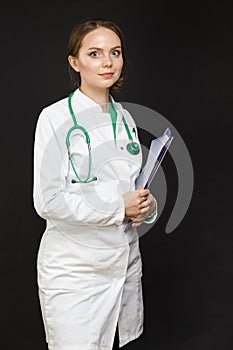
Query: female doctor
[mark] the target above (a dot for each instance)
(86, 158)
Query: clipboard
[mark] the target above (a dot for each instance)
(157, 151)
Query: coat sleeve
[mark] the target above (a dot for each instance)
(51, 199)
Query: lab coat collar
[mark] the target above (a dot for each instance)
(116, 105)
(84, 102)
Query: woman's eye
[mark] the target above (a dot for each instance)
(116, 53)
(94, 54)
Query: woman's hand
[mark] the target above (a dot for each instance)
(139, 204)
(135, 202)
(149, 206)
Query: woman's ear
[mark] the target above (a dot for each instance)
(73, 61)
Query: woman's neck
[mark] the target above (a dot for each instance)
(100, 96)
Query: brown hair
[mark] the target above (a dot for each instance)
(75, 41)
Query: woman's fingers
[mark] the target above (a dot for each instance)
(137, 203)
(143, 215)
(148, 202)
(145, 205)
(143, 196)
(143, 192)
(145, 209)
(136, 224)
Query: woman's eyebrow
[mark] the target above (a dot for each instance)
(98, 48)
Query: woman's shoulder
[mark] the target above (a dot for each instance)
(58, 105)
(53, 115)
(54, 111)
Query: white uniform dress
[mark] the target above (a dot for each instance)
(89, 269)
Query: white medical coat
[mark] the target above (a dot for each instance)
(89, 269)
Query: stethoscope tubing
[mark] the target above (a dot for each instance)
(132, 147)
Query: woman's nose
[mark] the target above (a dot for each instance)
(107, 62)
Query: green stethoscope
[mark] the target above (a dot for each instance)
(132, 147)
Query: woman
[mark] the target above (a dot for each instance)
(86, 159)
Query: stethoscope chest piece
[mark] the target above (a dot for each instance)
(133, 148)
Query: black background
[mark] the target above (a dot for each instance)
(180, 65)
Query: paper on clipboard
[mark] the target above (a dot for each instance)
(157, 151)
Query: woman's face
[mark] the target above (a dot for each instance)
(99, 60)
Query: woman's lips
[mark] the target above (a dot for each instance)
(106, 75)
